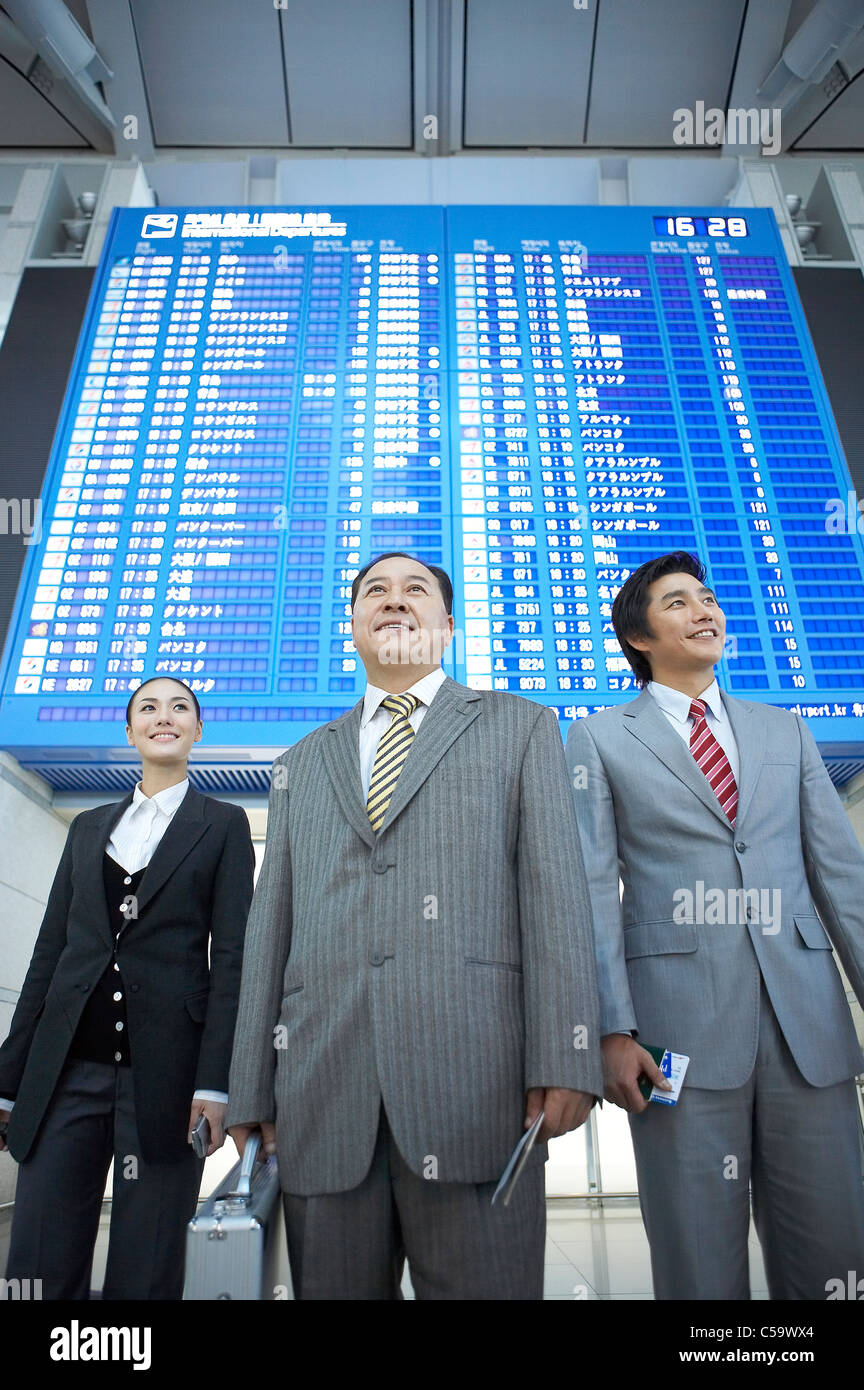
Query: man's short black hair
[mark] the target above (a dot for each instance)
(149, 681)
(442, 576)
(631, 604)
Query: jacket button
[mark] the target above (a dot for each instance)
(85, 988)
(740, 845)
(134, 989)
(379, 868)
(376, 958)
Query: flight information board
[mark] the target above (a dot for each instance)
(537, 398)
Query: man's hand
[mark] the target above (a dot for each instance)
(215, 1112)
(4, 1119)
(624, 1061)
(564, 1110)
(240, 1133)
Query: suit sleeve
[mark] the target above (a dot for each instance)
(49, 947)
(268, 940)
(232, 894)
(595, 816)
(833, 860)
(561, 1017)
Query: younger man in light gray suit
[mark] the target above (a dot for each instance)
(724, 826)
(418, 979)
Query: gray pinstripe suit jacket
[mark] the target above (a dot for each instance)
(442, 965)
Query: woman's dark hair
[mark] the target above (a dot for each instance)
(149, 681)
(442, 576)
(631, 604)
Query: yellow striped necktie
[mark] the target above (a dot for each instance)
(393, 748)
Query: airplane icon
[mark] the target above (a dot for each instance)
(158, 224)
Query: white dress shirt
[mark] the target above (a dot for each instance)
(375, 719)
(132, 845)
(676, 707)
(140, 828)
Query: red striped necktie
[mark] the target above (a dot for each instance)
(711, 760)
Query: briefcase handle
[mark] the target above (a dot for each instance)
(250, 1153)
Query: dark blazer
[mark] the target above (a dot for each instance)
(194, 893)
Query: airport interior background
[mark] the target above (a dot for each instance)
(596, 192)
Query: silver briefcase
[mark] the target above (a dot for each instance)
(231, 1245)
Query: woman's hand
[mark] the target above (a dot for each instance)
(4, 1119)
(215, 1112)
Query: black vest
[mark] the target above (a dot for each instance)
(102, 1034)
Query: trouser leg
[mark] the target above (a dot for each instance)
(693, 1167)
(808, 1199)
(347, 1245)
(58, 1199)
(152, 1203)
(459, 1246)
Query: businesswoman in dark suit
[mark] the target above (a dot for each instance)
(122, 1034)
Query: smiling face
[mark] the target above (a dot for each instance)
(688, 630)
(164, 724)
(400, 626)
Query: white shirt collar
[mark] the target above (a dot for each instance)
(425, 689)
(677, 704)
(166, 801)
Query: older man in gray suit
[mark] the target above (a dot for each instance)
(418, 980)
(731, 842)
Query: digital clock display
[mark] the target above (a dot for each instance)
(687, 225)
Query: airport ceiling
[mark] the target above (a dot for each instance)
(433, 77)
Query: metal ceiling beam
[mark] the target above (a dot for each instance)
(762, 37)
(65, 50)
(22, 54)
(438, 41)
(113, 28)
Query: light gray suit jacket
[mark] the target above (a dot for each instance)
(445, 964)
(647, 813)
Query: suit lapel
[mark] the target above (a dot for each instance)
(449, 715)
(451, 711)
(104, 821)
(341, 753)
(187, 826)
(648, 723)
(751, 750)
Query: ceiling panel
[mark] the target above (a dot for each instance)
(213, 72)
(842, 125)
(27, 120)
(651, 58)
(526, 72)
(348, 67)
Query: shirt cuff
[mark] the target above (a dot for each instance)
(220, 1096)
(6, 1104)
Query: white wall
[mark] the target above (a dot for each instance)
(32, 837)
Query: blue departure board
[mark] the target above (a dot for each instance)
(537, 398)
